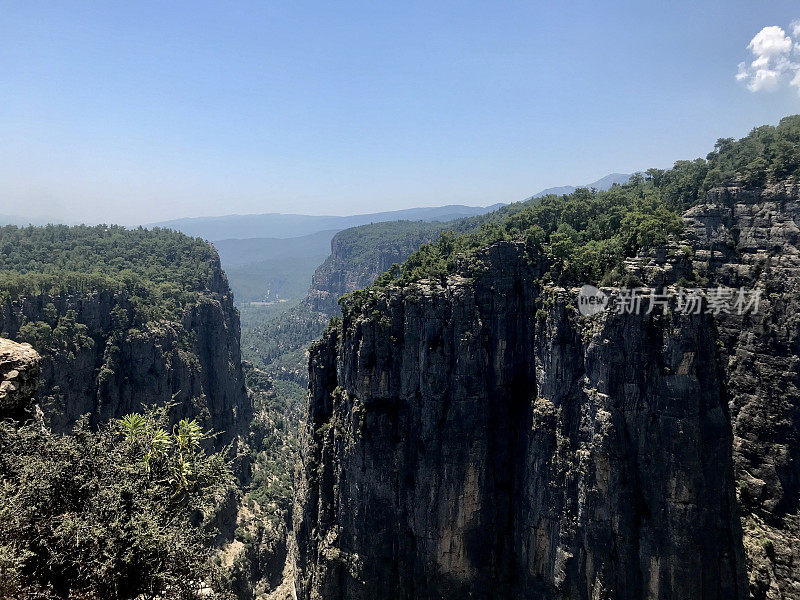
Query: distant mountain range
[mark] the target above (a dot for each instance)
(603, 184)
(279, 225)
(282, 226)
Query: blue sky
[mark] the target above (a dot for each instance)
(134, 112)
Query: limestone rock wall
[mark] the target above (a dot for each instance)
(481, 439)
(20, 367)
(342, 272)
(120, 366)
(752, 239)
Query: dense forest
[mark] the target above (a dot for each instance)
(160, 269)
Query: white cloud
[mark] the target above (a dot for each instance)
(765, 80)
(742, 74)
(773, 61)
(796, 34)
(770, 41)
(760, 62)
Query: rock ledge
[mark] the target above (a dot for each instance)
(20, 367)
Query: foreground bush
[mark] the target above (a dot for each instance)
(125, 512)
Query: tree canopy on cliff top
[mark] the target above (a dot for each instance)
(156, 256)
(589, 233)
(161, 270)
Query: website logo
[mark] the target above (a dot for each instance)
(591, 300)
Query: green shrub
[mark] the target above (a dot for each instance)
(120, 513)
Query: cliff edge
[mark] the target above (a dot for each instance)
(476, 436)
(20, 367)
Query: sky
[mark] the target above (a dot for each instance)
(136, 112)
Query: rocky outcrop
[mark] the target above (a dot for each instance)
(752, 240)
(482, 439)
(354, 263)
(20, 367)
(109, 363)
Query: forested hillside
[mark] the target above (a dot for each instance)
(104, 496)
(589, 233)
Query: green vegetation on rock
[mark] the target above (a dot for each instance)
(587, 235)
(160, 269)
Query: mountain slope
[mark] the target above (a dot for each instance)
(602, 184)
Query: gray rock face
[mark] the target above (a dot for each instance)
(122, 367)
(20, 367)
(481, 439)
(461, 446)
(752, 239)
(343, 271)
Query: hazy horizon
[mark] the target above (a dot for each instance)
(22, 219)
(142, 113)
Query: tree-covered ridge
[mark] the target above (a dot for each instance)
(159, 255)
(767, 155)
(85, 256)
(161, 270)
(588, 234)
(363, 241)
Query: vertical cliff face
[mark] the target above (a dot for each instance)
(752, 239)
(20, 367)
(482, 440)
(109, 364)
